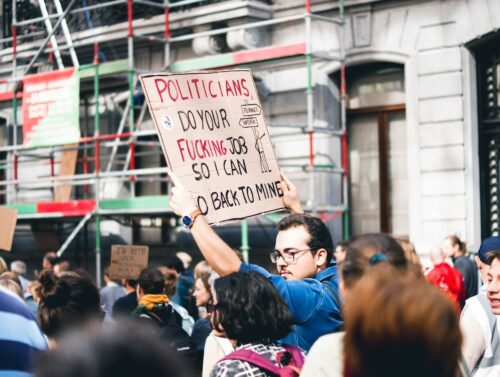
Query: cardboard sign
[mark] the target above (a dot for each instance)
(51, 108)
(214, 137)
(128, 261)
(68, 167)
(8, 220)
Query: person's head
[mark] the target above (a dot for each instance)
(129, 284)
(201, 290)
(34, 290)
(399, 325)
(453, 246)
(19, 267)
(366, 251)
(61, 266)
(12, 286)
(202, 268)
(9, 275)
(493, 281)
(126, 350)
(107, 276)
(66, 302)
(170, 277)
(3, 266)
(488, 245)
(303, 247)
(150, 282)
(410, 252)
(172, 261)
(249, 309)
(436, 255)
(185, 258)
(50, 259)
(340, 251)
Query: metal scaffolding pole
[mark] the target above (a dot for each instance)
(310, 104)
(67, 35)
(73, 234)
(50, 31)
(98, 267)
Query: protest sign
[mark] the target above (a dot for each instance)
(128, 261)
(51, 108)
(8, 220)
(214, 137)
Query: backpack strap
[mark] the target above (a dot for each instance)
(254, 358)
(297, 356)
(336, 298)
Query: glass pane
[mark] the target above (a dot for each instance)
(498, 85)
(364, 174)
(397, 175)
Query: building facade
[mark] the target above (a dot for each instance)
(414, 152)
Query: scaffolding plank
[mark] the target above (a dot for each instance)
(69, 208)
(24, 208)
(140, 202)
(241, 57)
(107, 68)
(9, 96)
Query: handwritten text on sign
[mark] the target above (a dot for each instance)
(128, 261)
(214, 137)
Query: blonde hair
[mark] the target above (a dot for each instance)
(3, 266)
(12, 286)
(202, 269)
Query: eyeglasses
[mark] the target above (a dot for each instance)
(290, 257)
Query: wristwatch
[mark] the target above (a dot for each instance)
(188, 220)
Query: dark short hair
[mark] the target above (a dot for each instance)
(320, 237)
(66, 301)
(132, 282)
(151, 281)
(175, 263)
(125, 350)
(52, 258)
(249, 309)
(362, 248)
(492, 255)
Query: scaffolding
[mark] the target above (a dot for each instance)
(90, 176)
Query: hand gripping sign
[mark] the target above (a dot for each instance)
(214, 137)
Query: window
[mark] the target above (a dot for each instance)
(377, 150)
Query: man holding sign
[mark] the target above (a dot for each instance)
(307, 281)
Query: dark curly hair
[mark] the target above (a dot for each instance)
(249, 309)
(320, 237)
(66, 301)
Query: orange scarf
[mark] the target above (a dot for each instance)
(149, 301)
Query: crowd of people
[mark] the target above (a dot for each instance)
(366, 307)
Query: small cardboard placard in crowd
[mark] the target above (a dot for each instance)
(8, 220)
(128, 261)
(214, 137)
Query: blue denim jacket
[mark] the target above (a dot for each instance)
(315, 310)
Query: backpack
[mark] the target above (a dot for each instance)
(171, 331)
(292, 368)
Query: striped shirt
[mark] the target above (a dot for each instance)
(20, 336)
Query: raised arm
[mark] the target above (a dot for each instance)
(291, 198)
(217, 253)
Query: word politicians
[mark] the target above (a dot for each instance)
(173, 89)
